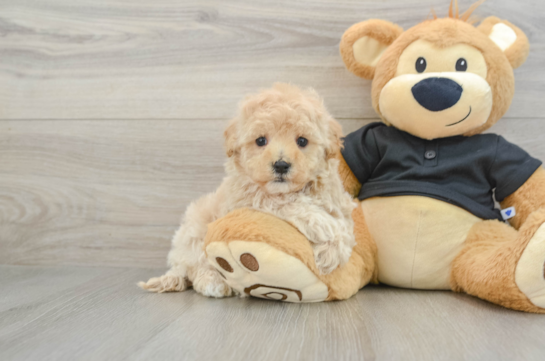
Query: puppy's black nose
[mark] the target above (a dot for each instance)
(281, 167)
(437, 94)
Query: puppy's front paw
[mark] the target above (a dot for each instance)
(330, 255)
(209, 283)
(165, 283)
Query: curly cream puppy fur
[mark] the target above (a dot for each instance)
(281, 148)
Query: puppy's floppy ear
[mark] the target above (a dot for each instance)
(230, 136)
(363, 44)
(509, 38)
(334, 142)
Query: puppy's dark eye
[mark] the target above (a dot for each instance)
(302, 142)
(461, 65)
(420, 65)
(261, 141)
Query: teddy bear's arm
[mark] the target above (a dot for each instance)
(350, 182)
(527, 199)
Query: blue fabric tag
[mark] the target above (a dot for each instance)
(508, 213)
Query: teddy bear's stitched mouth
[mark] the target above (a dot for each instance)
(450, 125)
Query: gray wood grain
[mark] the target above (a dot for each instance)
(100, 176)
(112, 192)
(111, 120)
(77, 313)
(170, 59)
(102, 192)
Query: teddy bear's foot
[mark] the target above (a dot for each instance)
(503, 265)
(530, 271)
(165, 283)
(261, 270)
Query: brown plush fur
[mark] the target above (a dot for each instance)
(486, 266)
(251, 225)
(527, 199)
(384, 32)
(361, 269)
(350, 182)
(444, 33)
(516, 53)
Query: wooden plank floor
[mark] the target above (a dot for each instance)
(77, 313)
(111, 121)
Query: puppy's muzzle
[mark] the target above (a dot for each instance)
(281, 167)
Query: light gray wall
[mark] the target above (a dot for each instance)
(112, 112)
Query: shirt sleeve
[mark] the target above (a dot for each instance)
(511, 168)
(361, 152)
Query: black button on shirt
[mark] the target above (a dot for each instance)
(459, 170)
(430, 154)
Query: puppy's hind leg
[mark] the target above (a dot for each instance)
(172, 281)
(205, 280)
(186, 257)
(175, 280)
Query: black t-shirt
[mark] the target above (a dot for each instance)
(460, 170)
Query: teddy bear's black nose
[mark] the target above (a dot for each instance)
(281, 167)
(437, 94)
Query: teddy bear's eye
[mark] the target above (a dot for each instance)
(420, 64)
(461, 65)
(302, 142)
(261, 141)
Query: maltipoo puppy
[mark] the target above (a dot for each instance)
(281, 150)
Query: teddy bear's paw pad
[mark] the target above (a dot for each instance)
(530, 272)
(260, 270)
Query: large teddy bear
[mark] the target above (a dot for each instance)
(425, 177)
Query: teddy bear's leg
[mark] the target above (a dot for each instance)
(262, 256)
(503, 265)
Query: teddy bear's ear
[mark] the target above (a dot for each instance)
(509, 38)
(363, 44)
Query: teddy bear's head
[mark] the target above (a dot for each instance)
(441, 78)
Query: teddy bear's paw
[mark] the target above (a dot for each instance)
(209, 283)
(530, 271)
(261, 270)
(165, 283)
